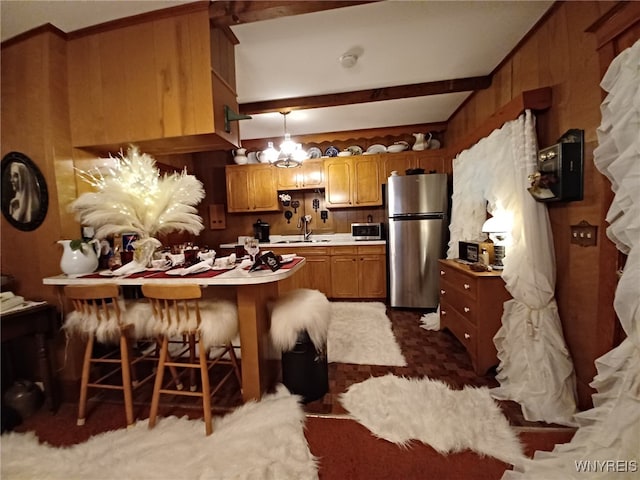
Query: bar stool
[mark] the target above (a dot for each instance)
(179, 310)
(102, 316)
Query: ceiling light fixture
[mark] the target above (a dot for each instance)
(290, 154)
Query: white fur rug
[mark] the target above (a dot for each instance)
(360, 332)
(401, 409)
(260, 440)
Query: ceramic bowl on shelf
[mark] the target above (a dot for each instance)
(396, 147)
(344, 153)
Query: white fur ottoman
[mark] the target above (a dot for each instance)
(299, 326)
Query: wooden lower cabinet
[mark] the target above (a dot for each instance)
(344, 271)
(359, 272)
(316, 273)
(471, 306)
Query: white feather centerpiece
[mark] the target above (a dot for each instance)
(132, 197)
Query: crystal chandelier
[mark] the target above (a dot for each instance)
(290, 154)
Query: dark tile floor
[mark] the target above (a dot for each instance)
(433, 354)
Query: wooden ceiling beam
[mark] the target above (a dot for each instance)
(234, 12)
(366, 96)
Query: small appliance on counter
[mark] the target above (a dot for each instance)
(470, 251)
(261, 231)
(367, 231)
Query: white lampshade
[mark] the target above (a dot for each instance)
(495, 225)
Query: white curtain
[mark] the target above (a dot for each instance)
(535, 367)
(607, 442)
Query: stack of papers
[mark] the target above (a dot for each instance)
(9, 300)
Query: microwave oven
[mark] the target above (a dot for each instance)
(367, 231)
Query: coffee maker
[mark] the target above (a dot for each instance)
(261, 231)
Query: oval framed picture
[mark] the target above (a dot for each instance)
(25, 198)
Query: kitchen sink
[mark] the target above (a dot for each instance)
(303, 241)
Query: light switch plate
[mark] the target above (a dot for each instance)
(584, 234)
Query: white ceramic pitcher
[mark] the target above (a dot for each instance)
(420, 143)
(78, 262)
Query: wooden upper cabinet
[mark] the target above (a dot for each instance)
(352, 181)
(400, 162)
(152, 83)
(251, 188)
(367, 182)
(309, 175)
(338, 181)
(432, 161)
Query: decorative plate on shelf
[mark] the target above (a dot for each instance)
(355, 150)
(377, 148)
(314, 152)
(331, 151)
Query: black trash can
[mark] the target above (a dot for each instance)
(305, 369)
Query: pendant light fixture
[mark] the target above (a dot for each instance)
(290, 154)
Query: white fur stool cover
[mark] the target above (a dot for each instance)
(296, 311)
(218, 323)
(137, 313)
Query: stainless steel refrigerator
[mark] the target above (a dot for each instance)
(417, 233)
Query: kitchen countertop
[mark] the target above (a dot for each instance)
(330, 240)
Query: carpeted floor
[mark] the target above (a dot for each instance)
(346, 448)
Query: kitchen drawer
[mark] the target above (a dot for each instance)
(344, 250)
(463, 330)
(301, 251)
(371, 250)
(459, 281)
(459, 300)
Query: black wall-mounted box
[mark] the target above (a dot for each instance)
(559, 175)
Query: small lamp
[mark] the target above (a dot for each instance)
(497, 231)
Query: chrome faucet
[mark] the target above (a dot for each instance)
(303, 222)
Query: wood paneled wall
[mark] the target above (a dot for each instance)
(560, 54)
(35, 121)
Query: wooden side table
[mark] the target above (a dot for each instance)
(471, 305)
(38, 321)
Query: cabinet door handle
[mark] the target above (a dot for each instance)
(441, 272)
(467, 286)
(443, 312)
(467, 336)
(442, 292)
(467, 309)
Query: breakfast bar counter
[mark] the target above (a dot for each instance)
(253, 290)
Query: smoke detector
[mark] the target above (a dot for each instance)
(348, 60)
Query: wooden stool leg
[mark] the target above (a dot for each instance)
(132, 366)
(206, 390)
(86, 370)
(126, 378)
(172, 369)
(193, 386)
(155, 398)
(234, 362)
